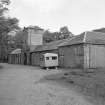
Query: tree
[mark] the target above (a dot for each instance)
(3, 7)
(7, 24)
(65, 33)
(64, 29)
(20, 39)
(50, 36)
(47, 37)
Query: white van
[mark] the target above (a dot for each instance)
(49, 60)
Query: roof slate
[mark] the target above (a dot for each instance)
(49, 46)
(95, 37)
(86, 37)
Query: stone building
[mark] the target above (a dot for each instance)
(86, 50)
(29, 38)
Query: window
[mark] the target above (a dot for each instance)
(41, 58)
(47, 58)
(54, 58)
(61, 52)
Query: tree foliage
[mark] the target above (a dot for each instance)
(63, 33)
(64, 29)
(7, 24)
(3, 7)
(50, 36)
(21, 39)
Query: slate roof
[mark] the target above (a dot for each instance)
(95, 37)
(74, 40)
(100, 30)
(49, 46)
(86, 37)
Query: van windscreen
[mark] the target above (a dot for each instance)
(47, 58)
(54, 58)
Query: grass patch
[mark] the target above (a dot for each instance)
(92, 84)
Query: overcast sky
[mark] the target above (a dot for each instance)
(78, 15)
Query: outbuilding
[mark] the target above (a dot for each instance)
(86, 50)
(43, 49)
(15, 57)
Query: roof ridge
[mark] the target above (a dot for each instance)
(96, 32)
(84, 39)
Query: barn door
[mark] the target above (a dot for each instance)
(97, 56)
(61, 61)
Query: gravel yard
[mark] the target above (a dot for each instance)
(26, 85)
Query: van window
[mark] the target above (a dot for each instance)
(54, 58)
(47, 58)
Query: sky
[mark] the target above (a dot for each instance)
(78, 15)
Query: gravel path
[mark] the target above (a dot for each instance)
(20, 85)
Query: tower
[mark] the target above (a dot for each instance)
(35, 35)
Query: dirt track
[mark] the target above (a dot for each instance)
(25, 85)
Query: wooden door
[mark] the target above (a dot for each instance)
(97, 56)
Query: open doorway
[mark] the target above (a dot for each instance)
(25, 59)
